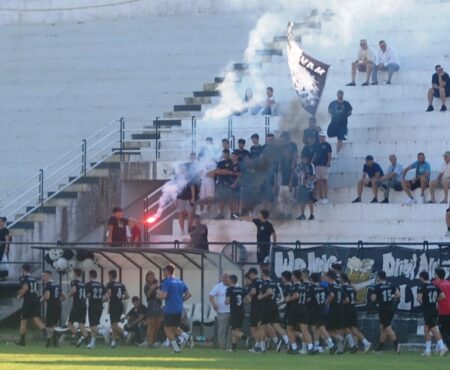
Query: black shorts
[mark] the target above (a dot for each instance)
(317, 317)
(172, 320)
(437, 93)
(269, 313)
(337, 131)
(386, 315)
(115, 312)
(416, 184)
(262, 251)
(297, 315)
(30, 309)
(255, 314)
(350, 317)
(52, 315)
(430, 316)
(304, 195)
(335, 320)
(78, 314)
(95, 313)
(237, 319)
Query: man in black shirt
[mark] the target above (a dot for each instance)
(322, 163)
(335, 319)
(223, 183)
(312, 130)
(265, 231)
(385, 294)
(186, 198)
(199, 234)
(256, 148)
(440, 88)
(339, 110)
(136, 318)
(241, 151)
(252, 292)
(30, 306)
(117, 228)
(79, 308)
(428, 296)
(116, 293)
(286, 183)
(95, 292)
(234, 296)
(53, 296)
(4, 241)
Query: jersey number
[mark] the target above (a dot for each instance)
(119, 293)
(238, 300)
(432, 297)
(32, 286)
(387, 295)
(97, 293)
(56, 292)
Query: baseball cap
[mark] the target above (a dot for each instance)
(252, 270)
(447, 153)
(369, 158)
(322, 133)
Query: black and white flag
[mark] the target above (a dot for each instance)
(308, 74)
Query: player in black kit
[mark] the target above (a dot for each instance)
(335, 319)
(253, 290)
(385, 294)
(428, 296)
(78, 311)
(235, 298)
(53, 296)
(116, 293)
(30, 306)
(95, 291)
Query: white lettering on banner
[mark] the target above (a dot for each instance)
(320, 264)
(305, 62)
(396, 267)
(404, 304)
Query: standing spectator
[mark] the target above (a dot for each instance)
(217, 297)
(174, 292)
(154, 310)
(241, 151)
(135, 320)
(185, 202)
(286, 183)
(285, 140)
(443, 304)
(421, 180)
(339, 110)
(4, 240)
(392, 178)
(386, 60)
(443, 180)
(447, 220)
(270, 103)
(440, 88)
(199, 234)
(225, 144)
(312, 130)
(117, 228)
(265, 231)
(309, 150)
(207, 186)
(223, 191)
(364, 62)
(371, 177)
(322, 163)
(268, 166)
(208, 150)
(136, 233)
(234, 181)
(256, 148)
(306, 178)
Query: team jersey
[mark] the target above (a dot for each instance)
(350, 294)
(79, 298)
(385, 293)
(278, 292)
(339, 296)
(117, 291)
(236, 296)
(54, 290)
(430, 294)
(303, 292)
(95, 292)
(257, 285)
(318, 296)
(266, 285)
(31, 294)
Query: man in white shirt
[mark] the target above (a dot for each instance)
(442, 180)
(386, 60)
(270, 104)
(217, 298)
(365, 61)
(392, 178)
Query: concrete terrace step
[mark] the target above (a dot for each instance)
(179, 115)
(22, 225)
(203, 94)
(85, 180)
(63, 194)
(166, 123)
(187, 108)
(107, 165)
(204, 100)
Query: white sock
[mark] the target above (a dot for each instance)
(181, 339)
(93, 341)
(330, 342)
(286, 339)
(184, 335)
(257, 345)
(304, 347)
(350, 340)
(310, 346)
(175, 346)
(428, 346)
(275, 340)
(440, 344)
(365, 342)
(263, 345)
(294, 346)
(316, 344)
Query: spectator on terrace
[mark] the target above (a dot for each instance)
(447, 220)
(250, 186)
(312, 130)
(268, 166)
(392, 179)
(440, 88)
(185, 201)
(234, 181)
(442, 180)
(339, 110)
(249, 104)
(386, 60)
(285, 140)
(270, 103)
(372, 174)
(199, 234)
(305, 191)
(135, 233)
(226, 144)
(223, 190)
(286, 183)
(322, 163)
(207, 186)
(421, 179)
(256, 148)
(117, 228)
(309, 150)
(136, 320)
(241, 151)
(4, 240)
(364, 62)
(207, 151)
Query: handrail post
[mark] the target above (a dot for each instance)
(84, 157)
(41, 187)
(157, 139)
(145, 221)
(193, 134)
(230, 127)
(298, 245)
(122, 138)
(267, 125)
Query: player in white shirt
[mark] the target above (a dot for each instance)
(386, 60)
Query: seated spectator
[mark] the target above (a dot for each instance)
(136, 320)
(322, 163)
(421, 179)
(372, 174)
(199, 234)
(392, 179)
(440, 88)
(286, 183)
(305, 191)
(256, 148)
(270, 104)
(339, 110)
(312, 130)
(185, 201)
(442, 180)
(241, 151)
(364, 62)
(386, 60)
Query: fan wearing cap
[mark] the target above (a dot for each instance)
(372, 172)
(442, 180)
(440, 88)
(322, 162)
